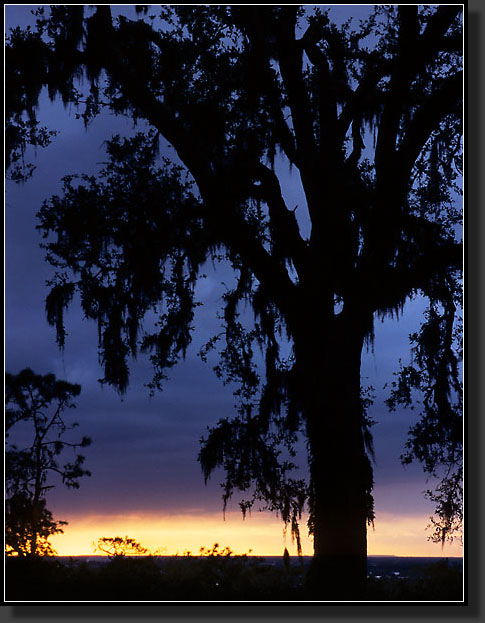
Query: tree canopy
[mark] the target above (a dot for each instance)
(368, 115)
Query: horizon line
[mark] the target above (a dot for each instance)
(248, 555)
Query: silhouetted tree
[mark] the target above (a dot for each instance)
(370, 120)
(118, 546)
(20, 526)
(36, 404)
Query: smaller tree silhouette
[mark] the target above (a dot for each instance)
(19, 526)
(35, 405)
(119, 546)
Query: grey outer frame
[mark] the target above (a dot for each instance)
(474, 608)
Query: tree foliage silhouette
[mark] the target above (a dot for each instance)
(369, 118)
(36, 403)
(21, 528)
(119, 546)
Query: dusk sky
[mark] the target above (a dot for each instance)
(146, 482)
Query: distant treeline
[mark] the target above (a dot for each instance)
(203, 578)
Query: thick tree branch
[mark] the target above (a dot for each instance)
(390, 286)
(256, 25)
(233, 231)
(286, 233)
(364, 100)
(326, 90)
(443, 101)
(290, 56)
(433, 39)
(399, 85)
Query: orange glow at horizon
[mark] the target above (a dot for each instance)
(259, 532)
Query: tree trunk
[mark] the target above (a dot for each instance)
(35, 528)
(340, 472)
(36, 498)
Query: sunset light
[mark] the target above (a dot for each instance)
(260, 533)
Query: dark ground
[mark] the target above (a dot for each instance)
(217, 578)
